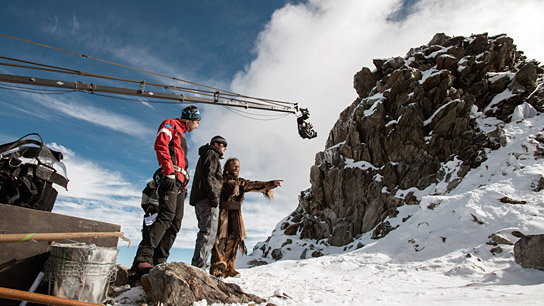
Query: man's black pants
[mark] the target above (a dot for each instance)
(158, 238)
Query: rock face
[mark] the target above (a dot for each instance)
(414, 116)
(179, 284)
(529, 251)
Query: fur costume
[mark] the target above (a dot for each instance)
(230, 231)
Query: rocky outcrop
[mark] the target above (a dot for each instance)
(420, 120)
(529, 251)
(179, 284)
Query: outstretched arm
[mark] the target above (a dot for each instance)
(260, 186)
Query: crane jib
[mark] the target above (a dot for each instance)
(305, 129)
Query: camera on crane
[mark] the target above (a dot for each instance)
(305, 129)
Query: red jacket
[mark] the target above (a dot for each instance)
(171, 148)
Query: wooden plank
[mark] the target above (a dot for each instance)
(20, 263)
(28, 237)
(19, 295)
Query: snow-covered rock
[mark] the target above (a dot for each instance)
(421, 124)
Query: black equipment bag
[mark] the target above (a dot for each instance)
(150, 198)
(28, 170)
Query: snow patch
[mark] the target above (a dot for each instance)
(363, 165)
(524, 111)
(505, 95)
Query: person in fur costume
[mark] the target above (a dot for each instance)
(230, 231)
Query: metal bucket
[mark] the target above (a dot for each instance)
(80, 271)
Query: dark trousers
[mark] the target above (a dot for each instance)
(158, 238)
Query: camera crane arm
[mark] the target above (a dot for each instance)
(305, 129)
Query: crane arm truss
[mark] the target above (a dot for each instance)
(92, 88)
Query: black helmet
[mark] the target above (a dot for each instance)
(190, 113)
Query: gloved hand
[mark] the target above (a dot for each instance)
(151, 209)
(169, 183)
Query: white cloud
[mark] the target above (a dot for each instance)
(9, 109)
(139, 56)
(94, 115)
(147, 104)
(309, 52)
(75, 24)
(92, 182)
(99, 194)
(53, 26)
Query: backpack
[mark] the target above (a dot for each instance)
(150, 196)
(28, 170)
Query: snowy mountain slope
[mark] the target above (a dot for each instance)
(360, 278)
(419, 125)
(473, 211)
(443, 254)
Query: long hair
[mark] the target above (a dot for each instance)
(228, 163)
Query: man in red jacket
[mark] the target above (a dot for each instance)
(160, 230)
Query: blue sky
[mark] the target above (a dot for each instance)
(201, 41)
(297, 51)
(108, 143)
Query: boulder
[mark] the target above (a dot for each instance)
(529, 251)
(179, 284)
(121, 275)
(364, 82)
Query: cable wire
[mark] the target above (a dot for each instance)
(201, 92)
(42, 91)
(246, 115)
(237, 112)
(130, 99)
(150, 72)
